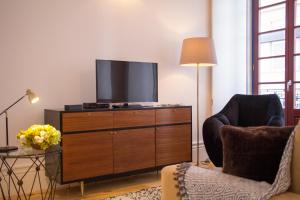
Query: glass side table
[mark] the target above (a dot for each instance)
(21, 184)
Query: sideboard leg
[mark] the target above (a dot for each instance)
(82, 187)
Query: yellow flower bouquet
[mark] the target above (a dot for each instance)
(39, 136)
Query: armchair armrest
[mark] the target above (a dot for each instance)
(275, 120)
(211, 137)
(222, 118)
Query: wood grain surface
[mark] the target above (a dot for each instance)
(83, 121)
(134, 149)
(134, 118)
(87, 155)
(173, 115)
(173, 144)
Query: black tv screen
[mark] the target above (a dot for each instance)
(123, 81)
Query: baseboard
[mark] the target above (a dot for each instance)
(202, 152)
(194, 144)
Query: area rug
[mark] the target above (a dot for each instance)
(153, 193)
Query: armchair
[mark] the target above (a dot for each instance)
(241, 110)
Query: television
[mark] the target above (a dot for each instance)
(126, 82)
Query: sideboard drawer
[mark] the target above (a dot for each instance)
(84, 121)
(173, 115)
(134, 118)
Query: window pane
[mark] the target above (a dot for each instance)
(273, 89)
(297, 68)
(268, 2)
(272, 70)
(297, 96)
(297, 12)
(272, 18)
(297, 40)
(272, 44)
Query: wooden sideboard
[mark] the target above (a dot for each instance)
(112, 142)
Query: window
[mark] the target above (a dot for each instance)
(276, 52)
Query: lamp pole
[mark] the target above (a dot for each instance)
(6, 128)
(197, 114)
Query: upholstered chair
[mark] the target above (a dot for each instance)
(244, 111)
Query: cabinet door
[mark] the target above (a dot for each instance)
(134, 149)
(173, 144)
(87, 155)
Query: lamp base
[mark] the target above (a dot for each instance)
(8, 148)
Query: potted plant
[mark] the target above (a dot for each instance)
(39, 137)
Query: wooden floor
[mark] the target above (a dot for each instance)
(109, 188)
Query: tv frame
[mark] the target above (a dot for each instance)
(105, 101)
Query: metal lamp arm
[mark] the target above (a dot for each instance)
(33, 98)
(4, 111)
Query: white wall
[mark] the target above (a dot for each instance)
(230, 30)
(51, 47)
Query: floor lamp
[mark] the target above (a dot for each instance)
(32, 99)
(198, 52)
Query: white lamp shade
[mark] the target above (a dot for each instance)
(32, 97)
(198, 51)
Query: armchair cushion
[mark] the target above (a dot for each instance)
(254, 152)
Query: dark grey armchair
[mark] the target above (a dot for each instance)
(241, 110)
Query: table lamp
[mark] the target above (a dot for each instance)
(33, 98)
(198, 52)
